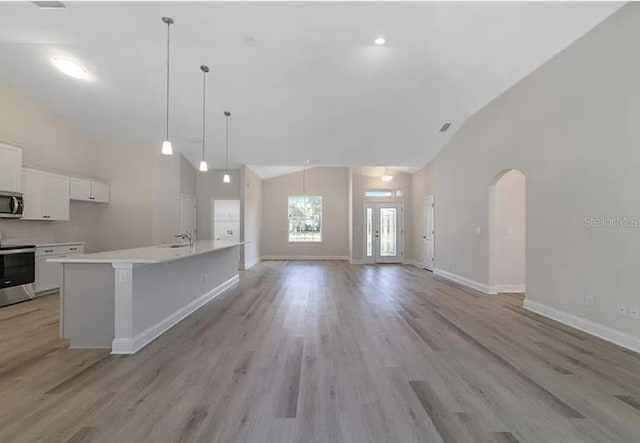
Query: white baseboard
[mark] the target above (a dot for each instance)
(356, 262)
(463, 281)
(590, 327)
(133, 345)
(520, 289)
(305, 257)
(252, 263)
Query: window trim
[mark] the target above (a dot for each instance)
(307, 242)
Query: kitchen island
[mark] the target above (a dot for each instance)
(124, 299)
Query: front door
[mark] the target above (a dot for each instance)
(428, 234)
(383, 233)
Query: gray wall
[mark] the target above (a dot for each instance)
(251, 216)
(172, 175)
(209, 186)
(572, 128)
(330, 183)
(507, 232)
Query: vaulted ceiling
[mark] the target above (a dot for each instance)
(304, 81)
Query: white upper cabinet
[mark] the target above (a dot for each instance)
(33, 188)
(57, 197)
(46, 195)
(100, 192)
(88, 190)
(79, 189)
(10, 168)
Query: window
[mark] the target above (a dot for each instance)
(305, 219)
(383, 193)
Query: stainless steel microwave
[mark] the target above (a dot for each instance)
(11, 204)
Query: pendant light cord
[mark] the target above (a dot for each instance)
(204, 88)
(168, 70)
(226, 163)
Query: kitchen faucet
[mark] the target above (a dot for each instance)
(186, 236)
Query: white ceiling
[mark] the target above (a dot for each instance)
(312, 86)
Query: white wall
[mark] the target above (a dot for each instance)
(507, 233)
(572, 128)
(330, 183)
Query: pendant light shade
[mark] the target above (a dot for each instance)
(387, 177)
(227, 177)
(167, 148)
(203, 163)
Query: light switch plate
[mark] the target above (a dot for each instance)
(589, 300)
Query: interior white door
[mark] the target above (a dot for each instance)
(188, 210)
(429, 232)
(384, 232)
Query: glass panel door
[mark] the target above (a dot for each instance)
(383, 233)
(388, 232)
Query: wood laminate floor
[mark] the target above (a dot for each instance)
(324, 352)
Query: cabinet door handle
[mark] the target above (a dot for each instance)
(48, 250)
(73, 249)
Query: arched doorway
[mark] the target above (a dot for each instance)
(507, 229)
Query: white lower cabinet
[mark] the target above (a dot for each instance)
(49, 275)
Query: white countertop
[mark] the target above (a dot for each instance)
(68, 243)
(149, 255)
(38, 243)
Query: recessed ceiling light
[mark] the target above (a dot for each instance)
(70, 67)
(380, 41)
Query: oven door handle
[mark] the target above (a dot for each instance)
(16, 205)
(17, 251)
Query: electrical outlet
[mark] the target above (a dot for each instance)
(634, 312)
(622, 309)
(589, 300)
(205, 278)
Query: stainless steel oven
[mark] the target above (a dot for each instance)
(11, 204)
(17, 273)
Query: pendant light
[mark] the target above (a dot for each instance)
(387, 177)
(204, 68)
(227, 177)
(167, 149)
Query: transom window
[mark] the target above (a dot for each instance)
(305, 218)
(383, 193)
